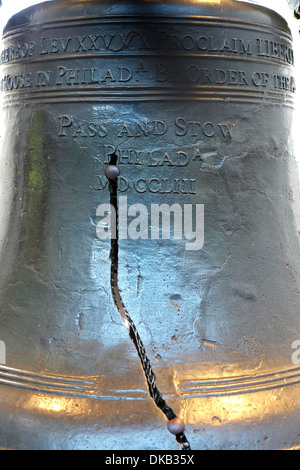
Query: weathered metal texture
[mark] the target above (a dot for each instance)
(196, 99)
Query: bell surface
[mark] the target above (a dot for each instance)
(149, 236)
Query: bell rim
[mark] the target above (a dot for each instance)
(39, 16)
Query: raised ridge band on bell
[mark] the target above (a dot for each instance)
(93, 388)
(153, 93)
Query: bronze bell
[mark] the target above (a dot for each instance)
(148, 181)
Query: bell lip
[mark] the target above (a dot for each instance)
(53, 10)
(33, 420)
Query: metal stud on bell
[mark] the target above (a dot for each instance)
(112, 172)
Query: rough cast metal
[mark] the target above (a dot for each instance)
(196, 100)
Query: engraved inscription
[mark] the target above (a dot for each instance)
(273, 49)
(143, 128)
(208, 129)
(83, 76)
(175, 153)
(196, 74)
(151, 185)
(177, 158)
(148, 41)
(18, 51)
(112, 75)
(148, 60)
(68, 126)
(71, 126)
(16, 82)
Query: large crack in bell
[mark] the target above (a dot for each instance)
(175, 425)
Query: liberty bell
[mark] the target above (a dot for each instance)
(149, 236)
